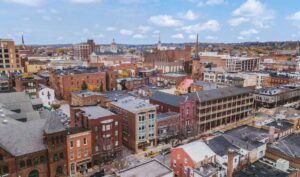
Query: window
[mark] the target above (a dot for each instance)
(59, 171)
(107, 127)
(84, 141)
(78, 143)
(78, 154)
(96, 148)
(36, 161)
(103, 127)
(96, 129)
(174, 163)
(22, 163)
(178, 156)
(72, 155)
(116, 133)
(116, 143)
(86, 152)
(71, 144)
(55, 157)
(116, 123)
(4, 170)
(61, 155)
(1, 157)
(61, 139)
(42, 159)
(29, 163)
(185, 160)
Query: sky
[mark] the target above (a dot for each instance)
(142, 21)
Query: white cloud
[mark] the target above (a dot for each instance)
(54, 11)
(215, 2)
(295, 18)
(210, 25)
(237, 21)
(26, 2)
(126, 32)
(249, 32)
(110, 28)
(60, 38)
(164, 21)
(177, 36)
(83, 1)
(144, 29)
(253, 11)
(189, 15)
(139, 36)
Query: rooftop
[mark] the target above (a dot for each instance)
(133, 104)
(260, 169)
(76, 70)
(151, 168)
(95, 112)
(247, 137)
(86, 93)
(289, 146)
(281, 125)
(220, 145)
(166, 115)
(197, 151)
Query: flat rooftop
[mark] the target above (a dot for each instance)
(95, 112)
(76, 70)
(260, 169)
(151, 168)
(133, 104)
(86, 93)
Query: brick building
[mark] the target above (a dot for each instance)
(169, 55)
(69, 80)
(209, 109)
(82, 51)
(86, 98)
(9, 57)
(79, 150)
(106, 130)
(167, 125)
(34, 148)
(186, 158)
(28, 83)
(131, 83)
(139, 122)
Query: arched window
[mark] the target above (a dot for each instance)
(34, 173)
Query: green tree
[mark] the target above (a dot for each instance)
(84, 86)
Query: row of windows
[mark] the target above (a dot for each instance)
(106, 127)
(58, 156)
(78, 142)
(30, 162)
(4, 50)
(57, 140)
(78, 154)
(4, 170)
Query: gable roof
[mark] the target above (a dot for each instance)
(220, 145)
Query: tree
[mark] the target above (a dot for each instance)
(84, 86)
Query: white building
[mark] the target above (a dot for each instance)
(46, 95)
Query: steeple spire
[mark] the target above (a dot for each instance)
(196, 56)
(159, 38)
(23, 43)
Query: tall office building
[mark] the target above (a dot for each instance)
(9, 57)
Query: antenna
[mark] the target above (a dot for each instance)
(23, 43)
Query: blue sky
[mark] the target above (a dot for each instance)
(140, 21)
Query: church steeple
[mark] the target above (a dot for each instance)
(196, 55)
(23, 43)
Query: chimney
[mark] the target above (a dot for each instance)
(271, 134)
(230, 157)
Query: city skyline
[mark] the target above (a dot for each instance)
(141, 21)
